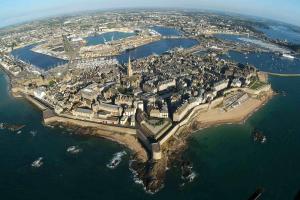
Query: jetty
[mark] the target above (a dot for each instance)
(282, 75)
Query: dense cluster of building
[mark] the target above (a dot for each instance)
(157, 88)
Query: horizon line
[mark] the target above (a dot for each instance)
(88, 11)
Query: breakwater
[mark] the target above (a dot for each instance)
(282, 75)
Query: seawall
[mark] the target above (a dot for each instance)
(81, 123)
(283, 75)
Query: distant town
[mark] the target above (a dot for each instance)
(152, 99)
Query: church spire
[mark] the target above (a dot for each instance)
(129, 67)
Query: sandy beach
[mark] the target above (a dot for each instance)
(239, 114)
(127, 140)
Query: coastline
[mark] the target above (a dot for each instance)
(127, 140)
(238, 115)
(152, 172)
(177, 145)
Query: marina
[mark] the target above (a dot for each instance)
(37, 59)
(156, 48)
(47, 62)
(106, 37)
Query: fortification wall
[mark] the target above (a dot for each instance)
(121, 130)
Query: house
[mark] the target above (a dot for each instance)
(236, 83)
(83, 112)
(123, 120)
(221, 85)
(39, 93)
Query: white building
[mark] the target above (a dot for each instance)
(123, 120)
(82, 112)
(114, 110)
(221, 85)
(140, 105)
(163, 85)
(185, 108)
(132, 120)
(40, 93)
(236, 83)
(129, 111)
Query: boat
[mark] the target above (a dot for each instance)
(257, 194)
(258, 136)
(33, 133)
(37, 163)
(288, 56)
(116, 160)
(73, 149)
(19, 132)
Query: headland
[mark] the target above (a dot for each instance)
(150, 102)
(152, 160)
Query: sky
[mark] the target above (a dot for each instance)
(16, 11)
